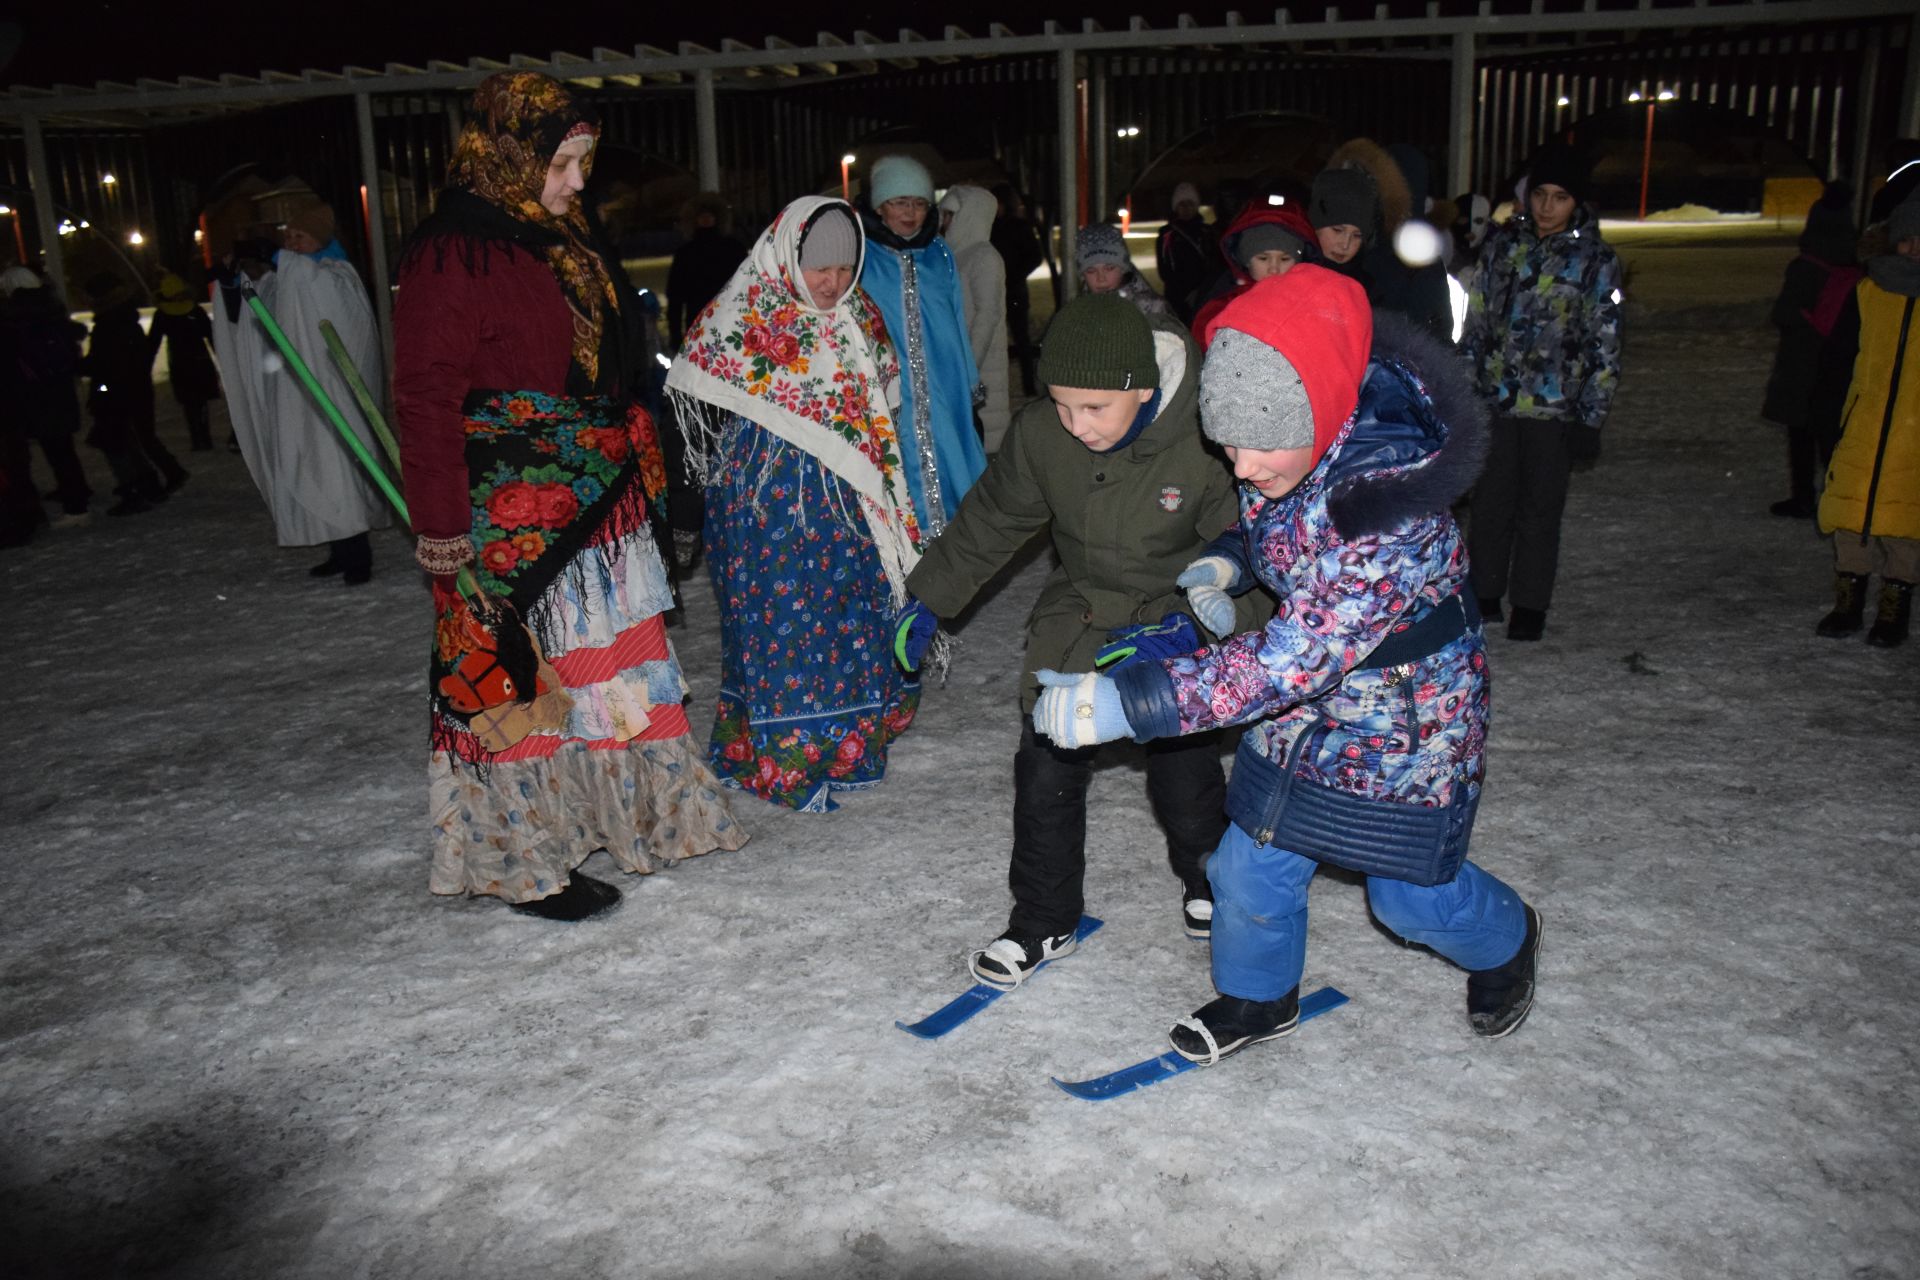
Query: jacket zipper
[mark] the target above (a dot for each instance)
(1270, 820)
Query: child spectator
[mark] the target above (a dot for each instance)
(1265, 240)
(1100, 256)
(182, 323)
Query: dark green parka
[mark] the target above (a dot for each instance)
(1124, 524)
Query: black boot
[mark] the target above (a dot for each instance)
(1225, 1026)
(1498, 1000)
(583, 897)
(355, 556)
(1890, 618)
(1849, 603)
(1490, 609)
(1527, 624)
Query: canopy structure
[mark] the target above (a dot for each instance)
(1479, 82)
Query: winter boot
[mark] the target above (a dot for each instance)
(1009, 959)
(583, 897)
(1498, 1000)
(1196, 912)
(1849, 603)
(1890, 619)
(1490, 610)
(1229, 1024)
(1527, 624)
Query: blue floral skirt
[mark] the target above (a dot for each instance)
(810, 696)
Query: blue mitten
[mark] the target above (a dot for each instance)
(1206, 581)
(913, 629)
(1174, 636)
(1079, 710)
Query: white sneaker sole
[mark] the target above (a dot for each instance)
(1005, 982)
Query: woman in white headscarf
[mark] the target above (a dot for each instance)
(787, 388)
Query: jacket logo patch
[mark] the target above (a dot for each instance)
(1171, 498)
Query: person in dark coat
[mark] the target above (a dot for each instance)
(1366, 696)
(701, 268)
(182, 323)
(1187, 254)
(1818, 283)
(119, 369)
(40, 354)
(1112, 468)
(1018, 245)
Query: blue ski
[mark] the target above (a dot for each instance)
(1154, 1070)
(979, 996)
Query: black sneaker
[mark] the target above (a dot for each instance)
(1011, 957)
(1499, 1000)
(583, 897)
(1196, 914)
(1229, 1024)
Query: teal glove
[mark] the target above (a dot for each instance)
(1174, 636)
(913, 631)
(1206, 581)
(1079, 710)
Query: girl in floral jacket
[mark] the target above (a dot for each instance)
(528, 464)
(787, 388)
(1367, 693)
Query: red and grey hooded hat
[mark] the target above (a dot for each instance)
(1264, 225)
(1285, 360)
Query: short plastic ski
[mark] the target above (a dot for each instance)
(980, 995)
(1154, 1070)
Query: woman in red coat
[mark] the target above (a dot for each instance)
(527, 461)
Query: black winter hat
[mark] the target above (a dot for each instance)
(1099, 342)
(1345, 198)
(1560, 165)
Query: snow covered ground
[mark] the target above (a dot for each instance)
(238, 1038)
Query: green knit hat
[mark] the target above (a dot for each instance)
(1099, 342)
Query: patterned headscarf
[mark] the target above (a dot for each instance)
(516, 122)
(826, 382)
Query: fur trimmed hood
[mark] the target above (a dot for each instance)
(1417, 440)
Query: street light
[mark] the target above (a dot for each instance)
(1646, 150)
(135, 239)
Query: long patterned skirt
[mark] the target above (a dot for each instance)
(622, 775)
(810, 696)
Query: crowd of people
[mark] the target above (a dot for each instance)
(1249, 479)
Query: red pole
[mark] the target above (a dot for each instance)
(1646, 162)
(19, 237)
(846, 186)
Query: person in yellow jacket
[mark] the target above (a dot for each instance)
(1871, 504)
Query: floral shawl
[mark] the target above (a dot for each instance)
(516, 122)
(825, 382)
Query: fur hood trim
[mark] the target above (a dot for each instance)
(1419, 390)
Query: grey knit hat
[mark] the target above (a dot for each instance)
(1099, 342)
(830, 241)
(1250, 397)
(1099, 246)
(1904, 222)
(1263, 237)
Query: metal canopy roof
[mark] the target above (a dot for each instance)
(147, 101)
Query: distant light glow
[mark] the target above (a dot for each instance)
(199, 236)
(1563, 101)
(5, 209)
(1665, 95)
(84, 224)
(1275, 201)
(135, 238)
(1634, 96)
(107, 179)
(847, 158)
(65, 228)
(1127, 131)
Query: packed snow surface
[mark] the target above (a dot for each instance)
(238, 1038)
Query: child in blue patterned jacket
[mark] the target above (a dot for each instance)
(1366, 695)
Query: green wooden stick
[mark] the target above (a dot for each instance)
(358, 385)
(469, 586)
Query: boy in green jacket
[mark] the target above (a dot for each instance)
(1114, 463)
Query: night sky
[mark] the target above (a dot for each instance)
(81, 41)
